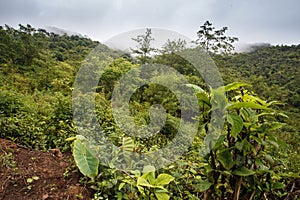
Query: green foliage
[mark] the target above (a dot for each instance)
(112, 74)
(274, 74)
(85, 159)
(10, 103)
(243, 149)
(144, 49)
(112, 183)
(236, 123)
(241, 163)
(214, 40)
(35, 86)
(23, 45)
(150, 186)
(174, 46)
(7, 160)
(243, 171)
(256, 153)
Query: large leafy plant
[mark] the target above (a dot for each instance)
(240, 164)
(124, 185)
(148, 185)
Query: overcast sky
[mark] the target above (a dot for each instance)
(252, 21)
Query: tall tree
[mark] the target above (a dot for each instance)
(215, 40)
(143, 49)
(173, 46)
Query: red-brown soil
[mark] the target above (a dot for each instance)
(35, 175)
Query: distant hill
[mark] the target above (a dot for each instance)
(274, 71)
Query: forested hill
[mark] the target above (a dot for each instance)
(273, 71)
(34, 60)
(255, 157)
(37, 72)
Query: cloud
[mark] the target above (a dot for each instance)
(265, 20)
(10, 13)
(251, 21)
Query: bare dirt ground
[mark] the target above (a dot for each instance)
(35, 175)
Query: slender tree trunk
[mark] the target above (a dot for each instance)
(237, 189)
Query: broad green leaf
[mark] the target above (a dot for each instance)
(129, 181)
(225, 158)
(249, 115)
(149, 174)
(235, 85)
(274, 144)
(239, 145)
(261, 165)
(164, 179)
(121, 186)
(291, 175)
(148, 168)
(141, 189)
(203, 186)
(218, 99)
(251, 98)
(127, 147)
(136, 173)
(274, 103)
(273, 114)
(246, 105)
(196, 88)
(236, 123)
(240, 160)
(200, 93)
(208, 168)
(161, 188)
(193, 171)
(279, 141)
(80, 137)
(143, 182)
(85, 160)
(269, 126)
(282, 115)
(243, 171)
(203, 97)
(278, 185)
(269, 158)
(219, 142)
(127, 144)
(161, 195)
(243, 146)
(274, 126)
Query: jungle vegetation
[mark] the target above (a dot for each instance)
(255, 157)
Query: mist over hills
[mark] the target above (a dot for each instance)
(239, 47)
(61, 31)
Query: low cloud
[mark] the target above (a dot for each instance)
(251, 21)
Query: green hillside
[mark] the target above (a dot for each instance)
(255, 157)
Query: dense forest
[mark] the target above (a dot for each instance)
(255, 156)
